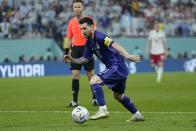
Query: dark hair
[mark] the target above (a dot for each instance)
(80, 1)
(87, 20)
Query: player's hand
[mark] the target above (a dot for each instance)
(134, 58)
(68, 58)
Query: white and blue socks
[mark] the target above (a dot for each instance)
(99, 94)
(128, 104)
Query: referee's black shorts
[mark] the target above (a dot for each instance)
(77, 52)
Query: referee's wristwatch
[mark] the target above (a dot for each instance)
(66, 51)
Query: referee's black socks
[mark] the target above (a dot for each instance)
(75, 90)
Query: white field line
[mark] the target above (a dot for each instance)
(115, 112)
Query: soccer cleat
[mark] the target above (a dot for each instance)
(72, 104)
(158, 80)
(99, 114)
(136, 118)
(95, 103)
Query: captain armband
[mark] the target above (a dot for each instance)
(108, 42)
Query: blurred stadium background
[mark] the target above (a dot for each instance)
(32, 34)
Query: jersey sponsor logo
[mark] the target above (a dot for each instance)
(107, 41)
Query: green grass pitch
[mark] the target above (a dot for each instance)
(38, 104)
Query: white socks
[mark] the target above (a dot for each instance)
(137, 113)
(156, 68)
(103, 108)
(159, 74)
(73, 103)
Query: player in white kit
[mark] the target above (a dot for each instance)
(157, 49)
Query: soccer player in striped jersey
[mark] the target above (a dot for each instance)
(113, 56)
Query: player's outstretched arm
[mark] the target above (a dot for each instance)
(69, 59)
(134, 58)
(123, 52)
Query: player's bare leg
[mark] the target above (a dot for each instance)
(95, 82)
(90, 75)
(128, 104)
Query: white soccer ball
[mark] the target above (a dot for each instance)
(80, 114)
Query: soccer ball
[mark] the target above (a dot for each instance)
(80, 114)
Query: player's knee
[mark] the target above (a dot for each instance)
(95, 80)
(161, 64)
(117, 96)
(90, 74)
(75, 75)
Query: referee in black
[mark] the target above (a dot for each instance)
(76, 41)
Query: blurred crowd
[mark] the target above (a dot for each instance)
(133, 18)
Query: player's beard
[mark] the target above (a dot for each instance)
(89, 36)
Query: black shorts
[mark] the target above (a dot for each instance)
(77, 52)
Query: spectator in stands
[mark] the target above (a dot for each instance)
(105, 21)
(135, 6)
(55, 58)
(170, 53)
(193, 27)
(48, 56)
(21, 58)
(138, 25)
(126, 21)
(5, 29)
(1, 14)
(32, 58)
(185, 55)
(6, 60)
(193, 54)
(41, 58)
(179, 55)
(183, 28)
(138, 51)
(115, 28)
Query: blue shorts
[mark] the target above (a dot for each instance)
(114, 79)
